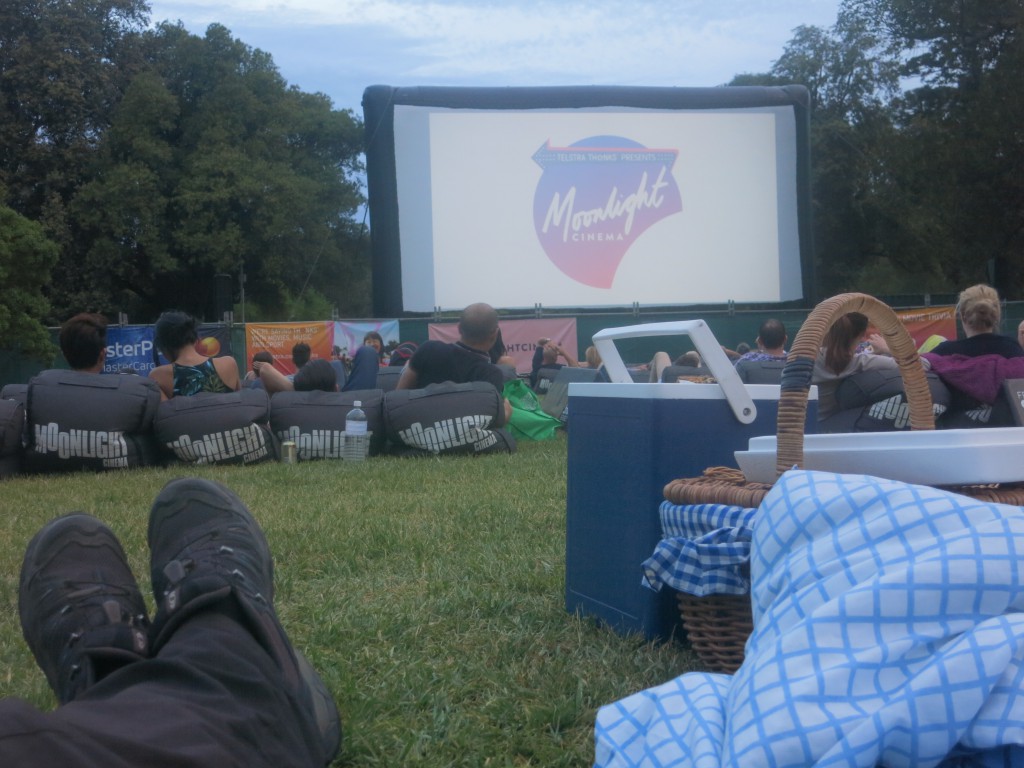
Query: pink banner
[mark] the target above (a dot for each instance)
(521, 336)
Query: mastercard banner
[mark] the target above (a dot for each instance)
(279, 338)
(131, 348)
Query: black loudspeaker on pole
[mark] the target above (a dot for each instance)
(222, 298)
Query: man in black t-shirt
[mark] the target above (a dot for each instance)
(466, 360)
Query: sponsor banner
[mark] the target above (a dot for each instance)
(521, 337)
(129, 348)
(279, 338)
(922, 323)
(348, 336)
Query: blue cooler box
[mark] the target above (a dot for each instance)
(626, 442)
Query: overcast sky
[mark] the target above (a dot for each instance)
(340, 47)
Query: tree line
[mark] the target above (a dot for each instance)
(138, 162)
(917, 144)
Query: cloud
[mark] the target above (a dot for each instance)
(524, 42)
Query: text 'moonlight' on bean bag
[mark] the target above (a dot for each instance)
(89, 421)
(217, 428)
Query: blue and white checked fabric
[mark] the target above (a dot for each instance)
(705, 552)
(888, 630)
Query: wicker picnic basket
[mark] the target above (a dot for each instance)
(718, 625)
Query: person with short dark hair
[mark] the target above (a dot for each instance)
(83, 342)
(189, 372)
(300, 354)
(375, 340)
(764, 365)
(468, 359)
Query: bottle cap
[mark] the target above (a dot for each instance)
(357, 403)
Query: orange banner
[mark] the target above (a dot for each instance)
(279, 338)
(925, 322)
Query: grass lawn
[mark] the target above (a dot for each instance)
(429, 593)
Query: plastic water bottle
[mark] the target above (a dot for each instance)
(355, 433)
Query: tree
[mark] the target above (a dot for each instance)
(957, 166)
(213, 165)
(26, 258)
(917, 154)
(63, 63)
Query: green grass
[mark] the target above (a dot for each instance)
(429, 593)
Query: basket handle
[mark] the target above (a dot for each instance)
(796, 376)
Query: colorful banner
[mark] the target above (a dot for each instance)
(521, 337)
(279, 338)
(922, 323)
(348, 336)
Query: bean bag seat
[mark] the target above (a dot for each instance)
(761, 371)
(316, 420)
(17, 392)
(217, 428)
(12, 429)
(874, 401)
(387, 378)
(90, 421)
(447, 418)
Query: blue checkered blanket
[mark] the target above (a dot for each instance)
(705, 551)
(888, 630)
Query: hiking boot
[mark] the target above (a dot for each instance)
(206, 548)
(81, 610)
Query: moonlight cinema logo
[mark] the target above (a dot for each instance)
(595, 198)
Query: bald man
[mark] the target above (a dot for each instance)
(468, 359)
(1020, 333)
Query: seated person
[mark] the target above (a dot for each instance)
(189, 372)
(550, 355)
(661, 361)
(593, 358)
(83, 342)
(252, 378)
(538, 360)
(300, 356)
(975, 366)
(839, 359)
(498, 352)
(376, 341)
(765, 365)
(979, 314)
(468, 359)
(314, 375)
(1020, 334)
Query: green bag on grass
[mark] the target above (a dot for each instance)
(528, 421)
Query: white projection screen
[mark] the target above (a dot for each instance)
(587, 197)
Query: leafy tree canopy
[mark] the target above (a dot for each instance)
(26, 258)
